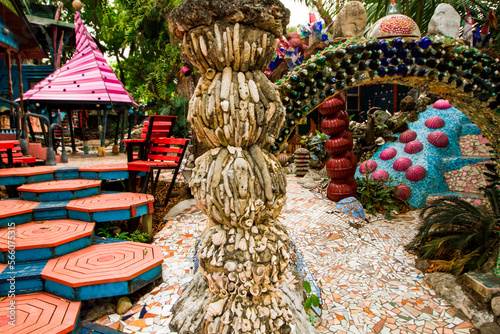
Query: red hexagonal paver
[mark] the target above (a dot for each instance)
(39, 313)
(43, 234)
(62, 185)
(26, 171)
(105, 263)
(105, 168)
(107, 202)
(16, 207)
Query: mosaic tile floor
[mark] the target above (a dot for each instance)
(368, 279)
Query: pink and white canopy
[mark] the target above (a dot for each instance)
(86, 78)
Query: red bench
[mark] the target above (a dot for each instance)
(163, 153)
(11, 154)
(157, 126)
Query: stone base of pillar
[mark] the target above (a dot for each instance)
(188, 315)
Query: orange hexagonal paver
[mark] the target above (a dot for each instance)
(105, 168)
(39, 313)
(26, 171)
(107, 202)
(9, 208)
(105, 263)
(62, 185)
(43, 234)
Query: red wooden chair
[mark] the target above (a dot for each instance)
(163, 153)
(157, 126)
(11, 154)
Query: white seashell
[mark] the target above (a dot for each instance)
(255, 290)
(267, 300)
(242, 291)
(258, 273)
(246, 325)
(230, 266)
(219, 238)
(231, 288)
(263, 312)
(274, 314)
(225, 105)
(254, 230)
(226, 318)
(242, 276)
(242, 244)
(233, 277)
(279, 323)
(237, 309)
(216, 308)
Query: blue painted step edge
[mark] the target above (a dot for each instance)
(103, 290)
(91, 328)
(53, 196)
(46, 253)
(28, 278)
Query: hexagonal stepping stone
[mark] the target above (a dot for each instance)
(16, 212)
(24, 175)
(110, 207)
(103, 270)
(39, 313)
(46, 239)
(105, 172)
(28, 277)
(63, 190)
(66, 173)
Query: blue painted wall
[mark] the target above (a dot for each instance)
(31, 73)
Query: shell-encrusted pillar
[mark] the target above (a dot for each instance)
(236, 111)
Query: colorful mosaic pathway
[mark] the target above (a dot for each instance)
(369, 281)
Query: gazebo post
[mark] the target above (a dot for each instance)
(9, 78)
(131, 122)
(124, 123)
(21, 93)
(115, 146)
(102, 150)
(71, 132)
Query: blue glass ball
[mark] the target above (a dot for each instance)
(391, 70)
(402, 53)
(130, 111)
(402, 69)
(408, 61)
(384, 62)
(382, 44)
(425, 42)
(381, 72)
(398, 42)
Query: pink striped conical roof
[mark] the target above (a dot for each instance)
(87, 77)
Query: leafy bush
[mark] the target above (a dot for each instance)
(458, 236)
(377, 197)
(106, 230)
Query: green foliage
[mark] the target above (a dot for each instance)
(178, 106)
(106, 230)
(312, 299)
(377, 197)
(459, 235)
(316, 146)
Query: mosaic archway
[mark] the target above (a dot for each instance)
(465, 76)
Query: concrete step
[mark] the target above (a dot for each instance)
(103, 270)
(465, 174)
(61, 190)
(43, 240)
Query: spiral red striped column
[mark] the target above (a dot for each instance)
(341, 167)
